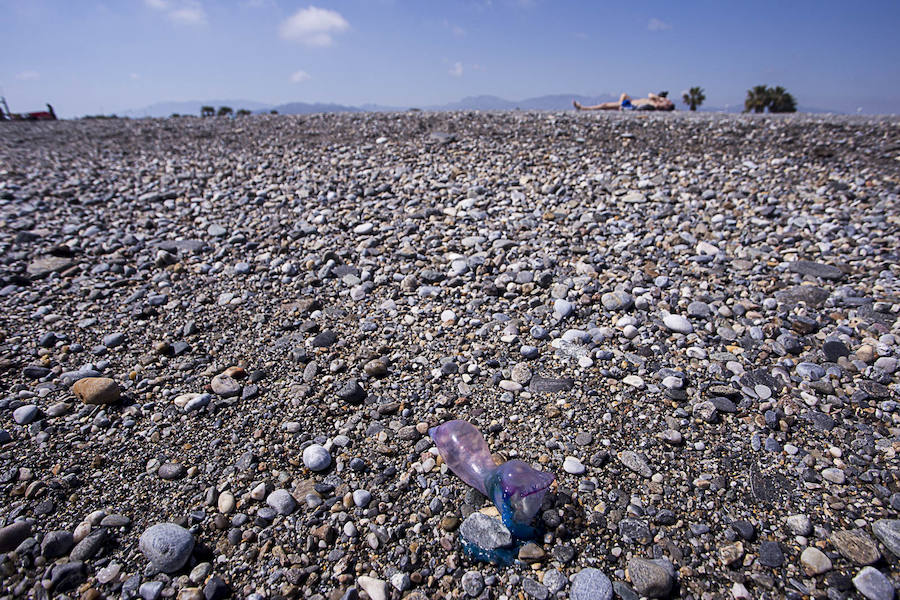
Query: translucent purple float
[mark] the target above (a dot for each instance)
(516, 489)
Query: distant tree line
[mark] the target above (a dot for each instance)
(776, 99)
(223, 111)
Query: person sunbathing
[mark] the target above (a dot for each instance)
(651, 102)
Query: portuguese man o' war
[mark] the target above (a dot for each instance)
(515, 488)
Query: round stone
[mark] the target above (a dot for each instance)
(651, 578)
(472, 583)
(361, 498)
(591, 584)
(171, 471)
(814, 561)
(167, 546)
(282, 501)
(316, 458)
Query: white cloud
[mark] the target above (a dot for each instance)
(299, 76)
(313, 26)
(658, 25)
(189, 15)
(456, 30)
(182, 12)
(457, 69)
(28, 76)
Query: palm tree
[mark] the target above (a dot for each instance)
(694, 97)
(780, 101)
(207, 111)
(224, 111)
(757, 99)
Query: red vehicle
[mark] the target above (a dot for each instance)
(41, 115)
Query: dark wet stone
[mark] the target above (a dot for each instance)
(811, 295)
(624, 592)
(89, 546)
(723, 404)
(564, 553)
(14, 534)
(35, 372)
(352, 392)
(868, 313)
(66, 577)
(834, 349)
(766, 489)
(56, 544)
(820, 420)
(770, 554)
(745, 529)
(533, 589)
(814, 269)
(216, 589)
(551, 385)
(324, 339)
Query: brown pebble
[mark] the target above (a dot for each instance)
(96, 390)
(235, 372)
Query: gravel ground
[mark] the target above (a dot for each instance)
(244, 328)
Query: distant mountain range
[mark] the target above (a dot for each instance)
(554, 102)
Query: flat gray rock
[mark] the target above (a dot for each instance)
(485, 532)
(551, 385)
(41, 267)
(888, 533)
(814, 269)
(636, 463)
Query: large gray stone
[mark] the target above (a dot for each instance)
(591, 584)
(167, 546)
(871, 583)
(485, 532)
(888, 531)
(651, 578)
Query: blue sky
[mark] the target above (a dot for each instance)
(88, 57)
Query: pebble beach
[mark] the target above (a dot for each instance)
(223, 343)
